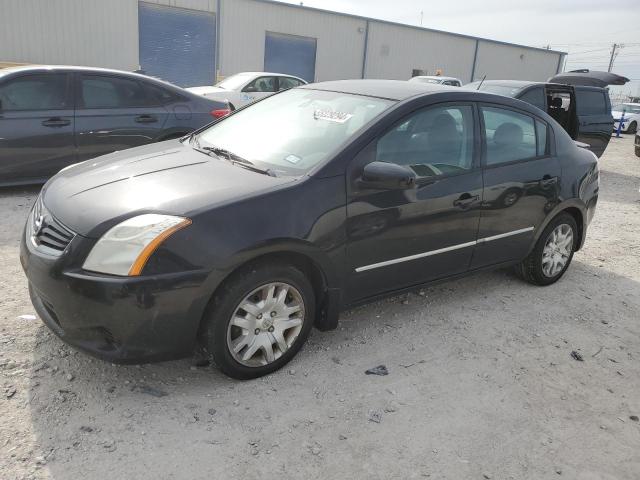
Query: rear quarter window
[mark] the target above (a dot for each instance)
(591, 102)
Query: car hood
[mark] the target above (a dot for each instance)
(168, 177)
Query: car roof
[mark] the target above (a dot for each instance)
(389, 89)
(265, 74)
(436, 77)
(74, 68)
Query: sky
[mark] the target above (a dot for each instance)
(585, 29)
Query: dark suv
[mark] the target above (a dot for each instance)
(583, 111)
(51, 117)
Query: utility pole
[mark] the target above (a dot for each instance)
(421, 16)
(614, 54)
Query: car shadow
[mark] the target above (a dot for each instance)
(159, 420)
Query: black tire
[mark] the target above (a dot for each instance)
(227, 299)
(531, 269)
(633, 127)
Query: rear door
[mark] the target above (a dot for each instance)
(36, 126)
(595, 122)
(521, 183)
(114, 113)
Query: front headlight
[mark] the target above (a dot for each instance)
(125, 248)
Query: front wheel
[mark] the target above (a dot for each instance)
(633, 127)
(259, 320)
(552, 253)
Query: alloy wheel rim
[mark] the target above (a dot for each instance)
(265, 324)
(557, 250)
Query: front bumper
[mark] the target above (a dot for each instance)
(119, 319)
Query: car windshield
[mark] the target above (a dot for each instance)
(234, 81)
(292, 132)
(626, 107)
(426, 80)
(506, 90)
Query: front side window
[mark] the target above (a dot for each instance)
(262, 84)
(35, 92)
(590, 102)
(293, 131)
(510, 136)
(98, 91)
(432, 141)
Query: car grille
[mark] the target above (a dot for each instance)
(47, 233)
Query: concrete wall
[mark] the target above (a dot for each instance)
(500, 62)
(340, 39)
(90, 32)
(394, 51)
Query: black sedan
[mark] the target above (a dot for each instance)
(51, 116)
(242, 237)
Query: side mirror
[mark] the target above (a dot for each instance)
(387, 176)
(250, 89)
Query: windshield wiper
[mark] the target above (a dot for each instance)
(234, 159)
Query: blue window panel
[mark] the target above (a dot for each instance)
(177, 45)
(290, 54)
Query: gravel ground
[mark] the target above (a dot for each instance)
(481, 381)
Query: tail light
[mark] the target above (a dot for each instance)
(220, 112)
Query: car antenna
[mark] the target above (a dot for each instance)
(481, 82)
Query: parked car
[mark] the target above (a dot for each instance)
(53, 116)
(631, 117)
(584, 112)
(247, 233)
(437, 79)
(243, 88)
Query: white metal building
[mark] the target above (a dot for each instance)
(188, 41)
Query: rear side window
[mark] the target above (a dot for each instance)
(590, 102)
(285, 83)
(535, 97)
(35, 92)
(510, 136)
(112, 92)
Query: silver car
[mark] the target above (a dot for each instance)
(247, 87)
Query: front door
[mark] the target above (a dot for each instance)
(259, 88)
(521, 184)
(36, 126)
(400, 238)
(115, 113)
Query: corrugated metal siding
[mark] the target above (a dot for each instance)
(394, 51)
(177, 44)
(91, 32)
(499, 62)
(340, 40)
(204, 5)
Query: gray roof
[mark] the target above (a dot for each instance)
(390, 89)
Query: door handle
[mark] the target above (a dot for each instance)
(548, 180)
(465, 200)
(146, 119)
(56, 122)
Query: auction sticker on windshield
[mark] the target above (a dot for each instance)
(332, 116)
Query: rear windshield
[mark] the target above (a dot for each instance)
(292, 132)
(590, 102)
(235, 81)
(506, 90)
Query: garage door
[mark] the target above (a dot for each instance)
(177, 45)
(290, 54)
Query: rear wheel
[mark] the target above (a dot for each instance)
(633, 127)
(552, 253)
(259, 320)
